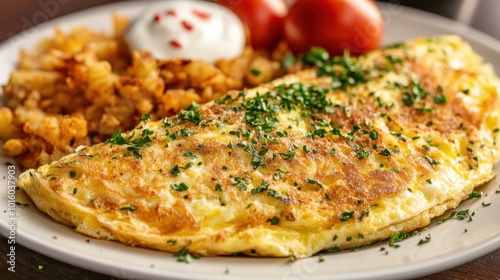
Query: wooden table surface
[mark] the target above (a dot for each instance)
(32, 265)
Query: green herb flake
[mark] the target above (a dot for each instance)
(75, 190)
(72, 174)
(167, 122)
(192, 114)
(475, 194)
(128, 208)
(218, 188)
(172, 241)
(274, 220)
(145, 117)
(263, 187)
(117, 138)
(314, 182)
(255, 72)
(385, 152)
(431, 160)
(362, 154)
(175, 170)
(398, 237)
(425, 240)
(183, 255)
(459, 215)
(185, 132)
(179, 187)
(440, 99)
(346, 216)
(373, 134)
(334, 249)
(274, 194)
(485, 204)
(189, 155)
(321, 258)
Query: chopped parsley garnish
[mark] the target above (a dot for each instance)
(288, 156)
(189, 155)
(274, 220)
(314, 182)
(254, 71)
(134, 145)
(333, 249)
(117, 138)
(175, 170)
(431, 160)
(485, 204)
(362, 154)
(180, 187)
(385, 152)
(344, 70)
(398, 237)
(72, 174)
(425, 240)
(273, 193)
(185, 132)
(475, 194)
(346, 216)
(415, 93)
(183, 255)
(440, 99)
(128, 208)
(192, 114)
(459, 215)
(218, 188)
(263, 187)
(145, 117)
(373, 134)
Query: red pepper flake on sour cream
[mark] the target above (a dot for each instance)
(171, 13)
(191, 29)
(188, 26)
(202, 15)
(174, 43)
(158, 18)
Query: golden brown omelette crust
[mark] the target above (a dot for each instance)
(292, 167)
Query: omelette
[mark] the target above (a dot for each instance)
(339, 155)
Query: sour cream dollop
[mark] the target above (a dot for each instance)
(187, 29)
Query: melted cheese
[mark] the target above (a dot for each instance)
(292, 167)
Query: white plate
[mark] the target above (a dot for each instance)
(450, 244)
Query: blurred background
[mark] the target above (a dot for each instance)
(19, 15)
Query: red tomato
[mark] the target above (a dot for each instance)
(264, 19)
(334, 25)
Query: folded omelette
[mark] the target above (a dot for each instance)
(337, 156)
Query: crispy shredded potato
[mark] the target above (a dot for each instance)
(81, 87)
